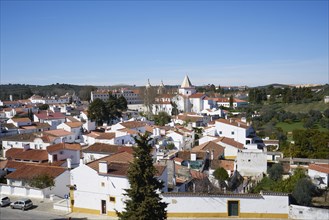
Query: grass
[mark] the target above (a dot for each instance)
(306, 107)
(289, 127)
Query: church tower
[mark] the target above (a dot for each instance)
(186, 89)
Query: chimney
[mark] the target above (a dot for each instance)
(11, 97)
(102, 167)
(81, 162)
(69, 163)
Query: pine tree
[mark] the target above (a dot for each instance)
(144, 202)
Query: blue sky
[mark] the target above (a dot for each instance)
(111, 42)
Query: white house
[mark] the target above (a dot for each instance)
(20, 121)
(63, 151)
(52, 118)
(251, 162)
(238, 130)
(183, 139)
(62, 135)
(319, 173)
(99, 150)
(28, 141)
(18, 180)
(74, 127)
(231, 147)
(107, 181)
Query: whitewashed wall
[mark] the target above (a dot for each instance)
(303, 212)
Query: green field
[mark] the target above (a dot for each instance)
(305, 107)
(289, 127)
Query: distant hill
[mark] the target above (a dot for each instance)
(23, 91)
(274, 85)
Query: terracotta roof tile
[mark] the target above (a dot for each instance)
(129, 131)
(107, 136)
(31, 154)
(210, 146)
(58, 132)
(133, 124)
(28, 171)
(75, 124)
(102, 148)
(323, 168)
(226, 164)
(63, 146)
(21, 119)
(233, 123)
(121, 157)
(50, 115)
(230, 141)
(197, 95)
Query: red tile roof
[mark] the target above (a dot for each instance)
(63, 146)
(58, 132)
(101, 148)
(31, 154)
(75, 124)
(197, 95)
(50, 115)
(323, 168)
(233, 123)
(107, 136)
(133, 124)
(28, 171)
(230, 141)
(21, 119)
(210, 146)
(121, 157)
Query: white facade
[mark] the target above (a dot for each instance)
(187, 205)
(234, 130)
(88, 195)
(75, 130)
(251, 162)
(37, 143)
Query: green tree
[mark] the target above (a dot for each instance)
(122, 103)
(97, 111)
(275, 172)
(231, 101)
(44, 107)
(144, 202)
(42, 181)
(304, 191)
(162, 118)
(221, 175)
(174, 110)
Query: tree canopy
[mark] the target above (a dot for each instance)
(42, 181)
(162, 118)
(144, 201)
(112, 109)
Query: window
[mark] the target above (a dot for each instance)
(232, 133)
(112, 199)
(220, 132)
(102, 184)
(233, 208)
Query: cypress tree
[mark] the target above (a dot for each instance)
(144, 202)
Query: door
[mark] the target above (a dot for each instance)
(233, 208)
(55, 157)
(103, 206)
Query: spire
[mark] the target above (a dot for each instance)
(161, 85)
(148, 85)
(186, 83)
